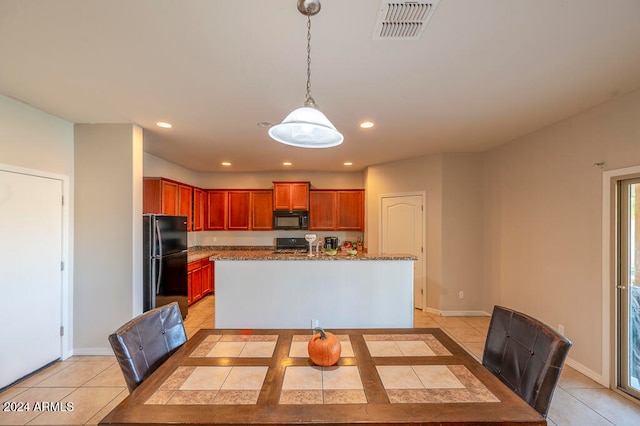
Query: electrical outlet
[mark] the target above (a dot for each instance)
(314, 324)
(561, 329)
(461, 294)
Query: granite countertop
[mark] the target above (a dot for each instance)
(266, 253)
(198, 253)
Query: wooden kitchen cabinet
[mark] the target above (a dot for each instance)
(240, 210)
(164, 196)
(199, 279)
(198, 209)
(216, 211)
(220, 210)
(322, 210)
(196, 280)
(261, 210)
(291, 195)
(189, 286)
(350, 211)
(207, 276)
(160, 196)
(238, 215)
(170, 197)
(185, 203)
(336, 210)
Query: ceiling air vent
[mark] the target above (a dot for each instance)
(403, 20)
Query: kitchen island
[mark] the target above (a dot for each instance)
(263, 289)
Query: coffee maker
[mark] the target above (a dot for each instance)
(331, 243)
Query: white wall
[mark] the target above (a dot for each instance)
(462, 232)
(521, 225)
(158, 167)
(264, 180)
(453, 235)
(35, 140)
(108, 207)
(543, 203)
(418, 174)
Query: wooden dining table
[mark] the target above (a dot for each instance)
(264, 376)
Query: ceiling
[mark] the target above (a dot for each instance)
(483, 73)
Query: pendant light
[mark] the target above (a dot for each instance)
(307, 126)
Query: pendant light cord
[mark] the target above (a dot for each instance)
(309, 101)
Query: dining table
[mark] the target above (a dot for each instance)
(399, 376)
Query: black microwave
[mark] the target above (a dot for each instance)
(285, 219)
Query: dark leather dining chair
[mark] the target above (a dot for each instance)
(144, 343)
(526, 355)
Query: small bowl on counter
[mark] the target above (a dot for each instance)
(330, 252)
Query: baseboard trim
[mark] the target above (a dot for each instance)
(597, 377)
(457, 313)
(92, 351)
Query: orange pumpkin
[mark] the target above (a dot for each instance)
(324, 348)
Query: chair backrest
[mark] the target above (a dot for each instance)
(145, 342)
(526, 355)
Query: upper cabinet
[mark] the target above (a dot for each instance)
(336, 210)
(164, 196)
(322, 210)
(252, 209)
(198, 209)
(216, 211)
(261, 210)
(185, 203)
(350, 210)
(239, 210)
(238, 215)
(291, 195)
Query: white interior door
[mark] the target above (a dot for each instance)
(402, 232)
(30, 273)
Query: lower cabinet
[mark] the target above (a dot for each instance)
(199, 279)
(207, 276)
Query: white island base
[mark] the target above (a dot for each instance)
(290, 294)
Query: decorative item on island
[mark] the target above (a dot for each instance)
(324, 348)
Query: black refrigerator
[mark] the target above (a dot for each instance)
(165, 261)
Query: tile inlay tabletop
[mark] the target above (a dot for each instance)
(399, 376)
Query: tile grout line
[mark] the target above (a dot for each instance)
(586, 405)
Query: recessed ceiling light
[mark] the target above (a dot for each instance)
(164, 125)
(367, 124)
(226, 163)
(286, 163)
(348, 163)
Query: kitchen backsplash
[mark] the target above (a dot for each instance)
(260, 238)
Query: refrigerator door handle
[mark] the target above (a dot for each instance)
(159, 234)
(159, 258)
(159, 275)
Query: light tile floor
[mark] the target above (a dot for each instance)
(93, 385)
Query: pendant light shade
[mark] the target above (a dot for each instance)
(307, 126)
